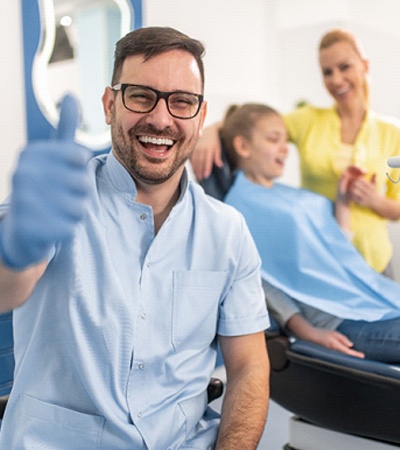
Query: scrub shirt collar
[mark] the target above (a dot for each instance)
(123, 182)
(120, 177)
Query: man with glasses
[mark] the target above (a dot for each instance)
(123, 276)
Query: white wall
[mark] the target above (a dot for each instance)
(240, 46)
(12, 106)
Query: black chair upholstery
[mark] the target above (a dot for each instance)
(221, 178)
(215, 389)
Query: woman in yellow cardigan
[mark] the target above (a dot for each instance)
(331, 139)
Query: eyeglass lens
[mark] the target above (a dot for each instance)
(142, 100)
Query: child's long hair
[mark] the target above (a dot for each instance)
(240, 121)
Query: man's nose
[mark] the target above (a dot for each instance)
(160, 115)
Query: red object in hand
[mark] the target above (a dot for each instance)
(355, 172)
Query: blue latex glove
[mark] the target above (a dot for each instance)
(49, 189)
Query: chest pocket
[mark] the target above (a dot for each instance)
(196, 299)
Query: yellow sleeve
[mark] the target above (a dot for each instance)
(393, 188)
(298, 123)
(381, 140)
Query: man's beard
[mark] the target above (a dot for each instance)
(145, 168)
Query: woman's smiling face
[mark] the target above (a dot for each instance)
(344, 72)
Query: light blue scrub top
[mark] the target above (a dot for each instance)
(115, 348)
(305, 253)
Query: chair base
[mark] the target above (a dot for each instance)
(306, 436)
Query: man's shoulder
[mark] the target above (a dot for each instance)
(217, 216)
(216, 208)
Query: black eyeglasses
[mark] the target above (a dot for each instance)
(143, 99)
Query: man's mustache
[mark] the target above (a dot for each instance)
(153, 131)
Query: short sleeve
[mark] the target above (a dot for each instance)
(243, 310)
(298, 122)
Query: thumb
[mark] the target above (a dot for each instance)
(344, 182)
(69, 118)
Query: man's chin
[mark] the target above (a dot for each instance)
(153, 177)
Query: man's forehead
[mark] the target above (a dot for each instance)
(172, 67)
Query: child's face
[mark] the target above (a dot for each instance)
(269, 148)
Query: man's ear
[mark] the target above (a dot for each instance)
(108, 100)
(241, 146)
(203, 114)
(366, 65)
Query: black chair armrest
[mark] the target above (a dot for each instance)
(215, 389)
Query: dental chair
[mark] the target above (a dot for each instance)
(337, 401)
(333, 396)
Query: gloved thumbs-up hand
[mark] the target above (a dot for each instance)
(49, 190)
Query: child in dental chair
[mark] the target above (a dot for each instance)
(318, 287)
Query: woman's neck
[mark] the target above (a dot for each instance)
(351, 122)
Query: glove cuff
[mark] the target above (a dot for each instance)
(18, 258)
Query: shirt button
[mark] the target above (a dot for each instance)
(143, 216)
(141, 366)
(143, 316)
(139, 415)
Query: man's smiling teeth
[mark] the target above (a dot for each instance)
(155, 141)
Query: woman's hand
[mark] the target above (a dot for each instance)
(349, 176)
(207, 152)
(364, 192)
(356, 187)
(342, 202)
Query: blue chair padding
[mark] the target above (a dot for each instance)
(335, 357)
(6, 372)
(6, 354)
(6, 336)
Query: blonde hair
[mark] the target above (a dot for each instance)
(240, 121)
(341, 35)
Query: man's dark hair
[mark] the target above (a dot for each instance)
(152, 41)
